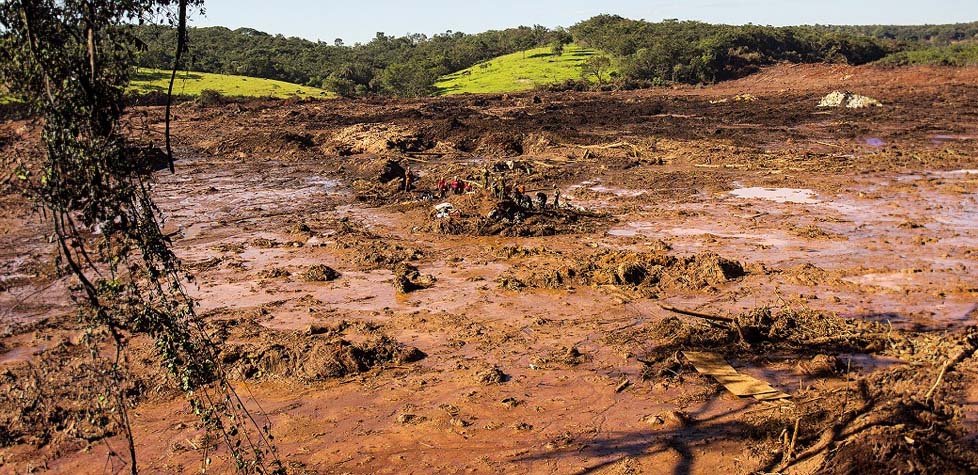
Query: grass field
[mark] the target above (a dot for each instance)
(517, 72)
(191, 83)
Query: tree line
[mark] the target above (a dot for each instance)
(645, 53)
(386, 65)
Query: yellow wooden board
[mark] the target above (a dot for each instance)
(712, 364)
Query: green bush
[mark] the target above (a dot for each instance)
(210, 97)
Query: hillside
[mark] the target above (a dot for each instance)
(192, 83)
(685, 52)
(518, 71)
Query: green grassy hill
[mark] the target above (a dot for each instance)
(517, 72)
(191, 83)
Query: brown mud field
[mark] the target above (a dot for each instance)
(829, 252)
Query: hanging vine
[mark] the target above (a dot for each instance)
(70, 61)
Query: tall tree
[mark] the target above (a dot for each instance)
(70, 61)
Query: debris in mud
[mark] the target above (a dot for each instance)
(320, 273)
(737, 98)
(812, 231)
(712, 364)
(642, 272)
(514, 252)
(822, 365)
(444, 210)
(775, 330)
(410, 419)
(407, 278)
(48, 401)
(274, 273)
(668, 419)
(300, 230)
(264, 243)
(757, 333)
(561, 357)
(492, 375)
(478, 215)
(848, 100)
(510, 402)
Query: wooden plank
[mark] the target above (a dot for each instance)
(712, 364)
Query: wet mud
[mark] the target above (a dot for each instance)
(384, 328)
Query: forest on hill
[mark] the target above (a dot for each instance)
(646, 53)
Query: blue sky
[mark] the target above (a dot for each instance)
(358, 21)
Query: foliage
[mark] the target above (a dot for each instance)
(511, 72)
(669, 51)
(385, 65)
(193, 83)
(952, 55)
(556, 48)
(694, 52)
(596, 67)
(70, 61)
(912, 36)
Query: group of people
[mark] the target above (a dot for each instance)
(455, 186)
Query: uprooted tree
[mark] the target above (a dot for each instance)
(70, 61)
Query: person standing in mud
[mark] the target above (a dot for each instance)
(485, 177)
(442, 191)
(408, 179)
(556, 197)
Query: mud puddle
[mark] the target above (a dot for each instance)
(778, 195)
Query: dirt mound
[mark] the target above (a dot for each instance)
(276, 142)
(408, 278)
(491, 375)
(312, 355)
(757, 333)
(377, 139)
(374, 252)
(777, 330)
(644, 273)
(320, 273)
(500, 144)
